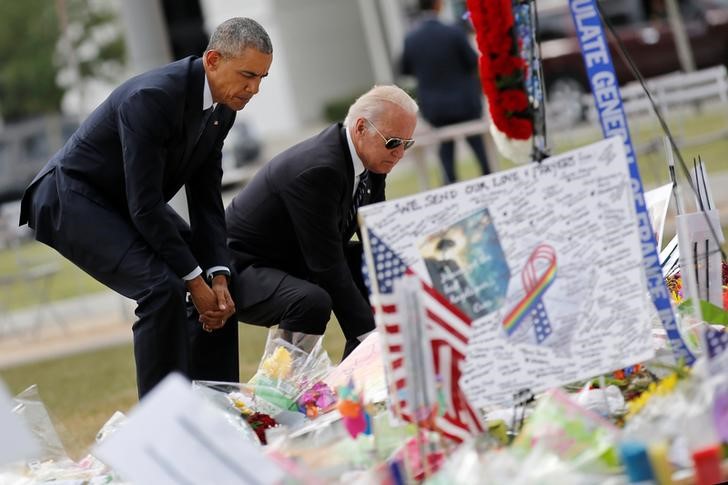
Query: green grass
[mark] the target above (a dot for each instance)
(82, 391)
(68, 282)
(652, 164)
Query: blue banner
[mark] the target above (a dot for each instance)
(608, 102)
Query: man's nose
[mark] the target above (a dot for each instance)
(253, 86)
(399, 151)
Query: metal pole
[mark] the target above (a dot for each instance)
(682, 43)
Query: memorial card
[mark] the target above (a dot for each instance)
(542, 265)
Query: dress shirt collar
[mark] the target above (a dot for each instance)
(355, 160)
(207, 96)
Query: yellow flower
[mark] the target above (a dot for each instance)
(662, 388)
(278, 365)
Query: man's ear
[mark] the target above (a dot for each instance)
(212, 59)
(360, 126)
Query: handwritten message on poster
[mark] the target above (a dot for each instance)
(546, 261)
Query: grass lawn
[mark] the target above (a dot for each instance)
(82, 391)
(68, 282)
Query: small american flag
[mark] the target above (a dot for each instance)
(447, 329)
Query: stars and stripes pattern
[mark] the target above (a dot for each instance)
(535, 284)
(717, 341)
(448, 331)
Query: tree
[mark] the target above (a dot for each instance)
(38, 65)
(27, 71)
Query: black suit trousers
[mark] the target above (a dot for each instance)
(167, 337)
(295, 303)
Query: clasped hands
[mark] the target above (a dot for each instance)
(213, 303)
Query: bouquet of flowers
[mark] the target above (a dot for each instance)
(292, 364)
(674, 284)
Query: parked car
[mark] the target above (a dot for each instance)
(240, 153)
(25, 147)
(645, 31)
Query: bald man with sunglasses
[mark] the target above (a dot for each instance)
(290, 228)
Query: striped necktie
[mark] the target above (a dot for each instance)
(359, 196)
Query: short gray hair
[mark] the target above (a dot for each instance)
(373, 103)
(237, 34)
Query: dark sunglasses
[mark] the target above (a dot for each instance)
(394, 142)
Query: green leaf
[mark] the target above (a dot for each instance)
(711, 313)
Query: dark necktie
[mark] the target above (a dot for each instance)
(206, 114)
(357, 200)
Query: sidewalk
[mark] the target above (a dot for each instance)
(65, 327)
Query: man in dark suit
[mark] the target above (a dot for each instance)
(445, 66)
(102, 201)
(289, 229)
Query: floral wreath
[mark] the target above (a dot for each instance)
(502, 74)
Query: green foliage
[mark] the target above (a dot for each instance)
(336, 108)
(35, 68)
(96, 38)
(27, 44)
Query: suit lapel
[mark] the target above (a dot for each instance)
(193, 108)
(349, 177)
(210, 133)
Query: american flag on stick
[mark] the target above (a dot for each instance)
(447, 329)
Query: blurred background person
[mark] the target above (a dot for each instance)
(445, 67)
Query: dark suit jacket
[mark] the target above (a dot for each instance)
(135, 151)
(446, 68)
(290, 217)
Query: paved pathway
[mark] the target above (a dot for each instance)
(65, 327)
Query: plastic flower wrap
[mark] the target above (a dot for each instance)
(279, 365)
(577, 436)
(292, 363)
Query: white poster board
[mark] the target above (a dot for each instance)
(16, 440)
(176, 437)
(545, 259)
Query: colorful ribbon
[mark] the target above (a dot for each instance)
(535, 285)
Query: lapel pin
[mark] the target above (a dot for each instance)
(215, 123)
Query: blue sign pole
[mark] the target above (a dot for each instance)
(608, 101)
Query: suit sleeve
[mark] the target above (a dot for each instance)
(405, 63)
(313, 204)
(468, 55)
(144, 128)
(207, 214)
